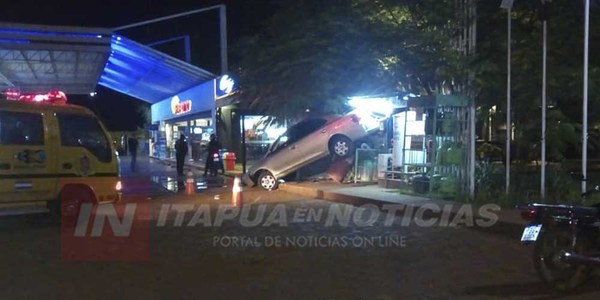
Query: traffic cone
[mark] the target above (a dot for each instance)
(190, 188)
(237, 198)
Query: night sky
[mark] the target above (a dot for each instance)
(118, 111)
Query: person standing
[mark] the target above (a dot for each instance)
(181, 149)
(213, 148)
(132, 144)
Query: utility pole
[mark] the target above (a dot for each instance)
(544, 105)
(507, 4)
(585, 96)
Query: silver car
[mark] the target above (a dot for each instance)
(309, 141)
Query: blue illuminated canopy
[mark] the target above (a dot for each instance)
(147, 74)
(40, 58)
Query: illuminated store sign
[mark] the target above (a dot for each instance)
(178, 107)
(224, 86)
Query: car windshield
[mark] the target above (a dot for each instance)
(279, 143)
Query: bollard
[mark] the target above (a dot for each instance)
(190, 188)
(237, 198)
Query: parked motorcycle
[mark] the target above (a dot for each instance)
(214, 164)
(566, 241)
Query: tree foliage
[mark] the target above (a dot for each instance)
(564, 71)
(315, 54)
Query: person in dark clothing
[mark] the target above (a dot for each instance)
(210, 164)
(181, 149)
(132, 144)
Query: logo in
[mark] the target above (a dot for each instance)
(178, 107)
(224, 87)
(107, 231)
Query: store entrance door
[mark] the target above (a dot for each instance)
(200, 131)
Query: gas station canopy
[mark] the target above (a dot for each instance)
(40, 58)
(36, 59)
(148, 74)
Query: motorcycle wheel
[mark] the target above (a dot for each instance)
(547, 253)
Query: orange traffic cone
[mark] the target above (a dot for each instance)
(237, 198)
(190, 188)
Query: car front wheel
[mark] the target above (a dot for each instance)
(267, 181)
(340, 146)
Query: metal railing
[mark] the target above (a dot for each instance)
(365, 165)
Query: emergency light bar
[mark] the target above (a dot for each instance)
(54, 96)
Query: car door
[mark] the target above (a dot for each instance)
(313, 144)
(297, 152)
(27, 172)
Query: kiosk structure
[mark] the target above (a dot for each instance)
(430, 145)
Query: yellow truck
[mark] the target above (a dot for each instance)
(53, 157)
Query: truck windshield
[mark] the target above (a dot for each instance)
(84, 131)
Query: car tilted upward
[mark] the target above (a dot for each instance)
(308, 141)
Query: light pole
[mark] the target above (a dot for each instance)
(222, 28)
(585, 95)
(507, 4)
(543, 146)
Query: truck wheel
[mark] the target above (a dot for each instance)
(340, 146)
(54, 210)
(267, 181)
(65, 210)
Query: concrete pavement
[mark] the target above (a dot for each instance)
(197, 166)
(313, 261)
(162, 173)
(349, 261)
(155, 177)
(509, 222)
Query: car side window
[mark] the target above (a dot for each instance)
(20, 128)
(297, 132)
(309, 126)
(84, 131)
(281, 142)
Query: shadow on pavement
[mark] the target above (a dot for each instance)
(531, 290)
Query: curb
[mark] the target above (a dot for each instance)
(501, 228)
(169, 162)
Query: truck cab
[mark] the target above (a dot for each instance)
(51, 153)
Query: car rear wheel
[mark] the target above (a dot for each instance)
(267, 181)
(340, 146)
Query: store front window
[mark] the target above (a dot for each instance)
(260, 133)
(197, 132)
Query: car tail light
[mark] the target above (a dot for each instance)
(529, 214)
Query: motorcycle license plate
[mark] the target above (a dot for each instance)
(216, 159)
(531, 232)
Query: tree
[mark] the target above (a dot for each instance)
(315, 54)
(143, 114)
(564, 65)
